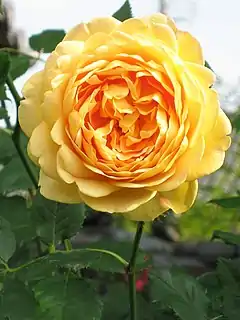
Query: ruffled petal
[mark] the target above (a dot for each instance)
(42, 147)
(58, 190)
(189, 48)
(180, 199)
(29, 111)
(83, 31)
(147, 211)
(123, 200)
(216, 144)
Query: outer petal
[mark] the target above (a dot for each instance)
(42, 147)
(216, 143)
(83, 31)
(29, 110)
(57, 190)
(147, 211)
(189, 48)
(123, 200)
(180, 199)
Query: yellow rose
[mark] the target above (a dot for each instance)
(123, 118)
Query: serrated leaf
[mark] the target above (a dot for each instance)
(37, 270)
(56, 221)
(124, 13)
(14, 210)
(3, 113)
(6, 146)
(226, 237)
(19, 65)
(18, 302)
(124, 250)
(4, 67)
(47, 40)
(233, 202)
(7, 240)
(83, 258)
(64, 299)
(181, 292)
(13, 176)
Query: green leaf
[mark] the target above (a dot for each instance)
(3, 113)
(14, 210)
(13, 176)
(19, 65)
(227, 237)
(207, 65)
(124, 250)
(181, 292)
(47, 40)
(18, 301)
(6, 146)
(65, 299)
(56, 221)
(125, 12)
(3, 95)
(233, 202)
(84, 258)
(4, 67)
(7, 240)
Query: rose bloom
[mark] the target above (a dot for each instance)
(124, 118)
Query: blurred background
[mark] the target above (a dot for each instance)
(218, 37)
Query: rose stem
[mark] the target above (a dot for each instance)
(131, 271)
(17, 131)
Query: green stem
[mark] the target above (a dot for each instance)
(17, 131)
(68, 245)
(131, 271)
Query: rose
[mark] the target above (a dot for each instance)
(123, 118)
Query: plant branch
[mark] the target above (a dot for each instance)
(131, 271)
(17, 131)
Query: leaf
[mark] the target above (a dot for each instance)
(4, 67)
(125, 12)
(3, 113)
(7, 240)
(65, 299)
(39, 269)
(56, 221)
(233, 202)
(6, 146)
(18, 301)
(3, 95)
(19, 65)
(229, 275)
(13, 176)
(181, 292)
(47, 40)
(226, 237)
(124, 249)
(14, 210)
(207, 65)
(84, 258)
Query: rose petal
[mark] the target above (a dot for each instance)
(189, 48)
(180, 199)
(57, 190)
(123, 200)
